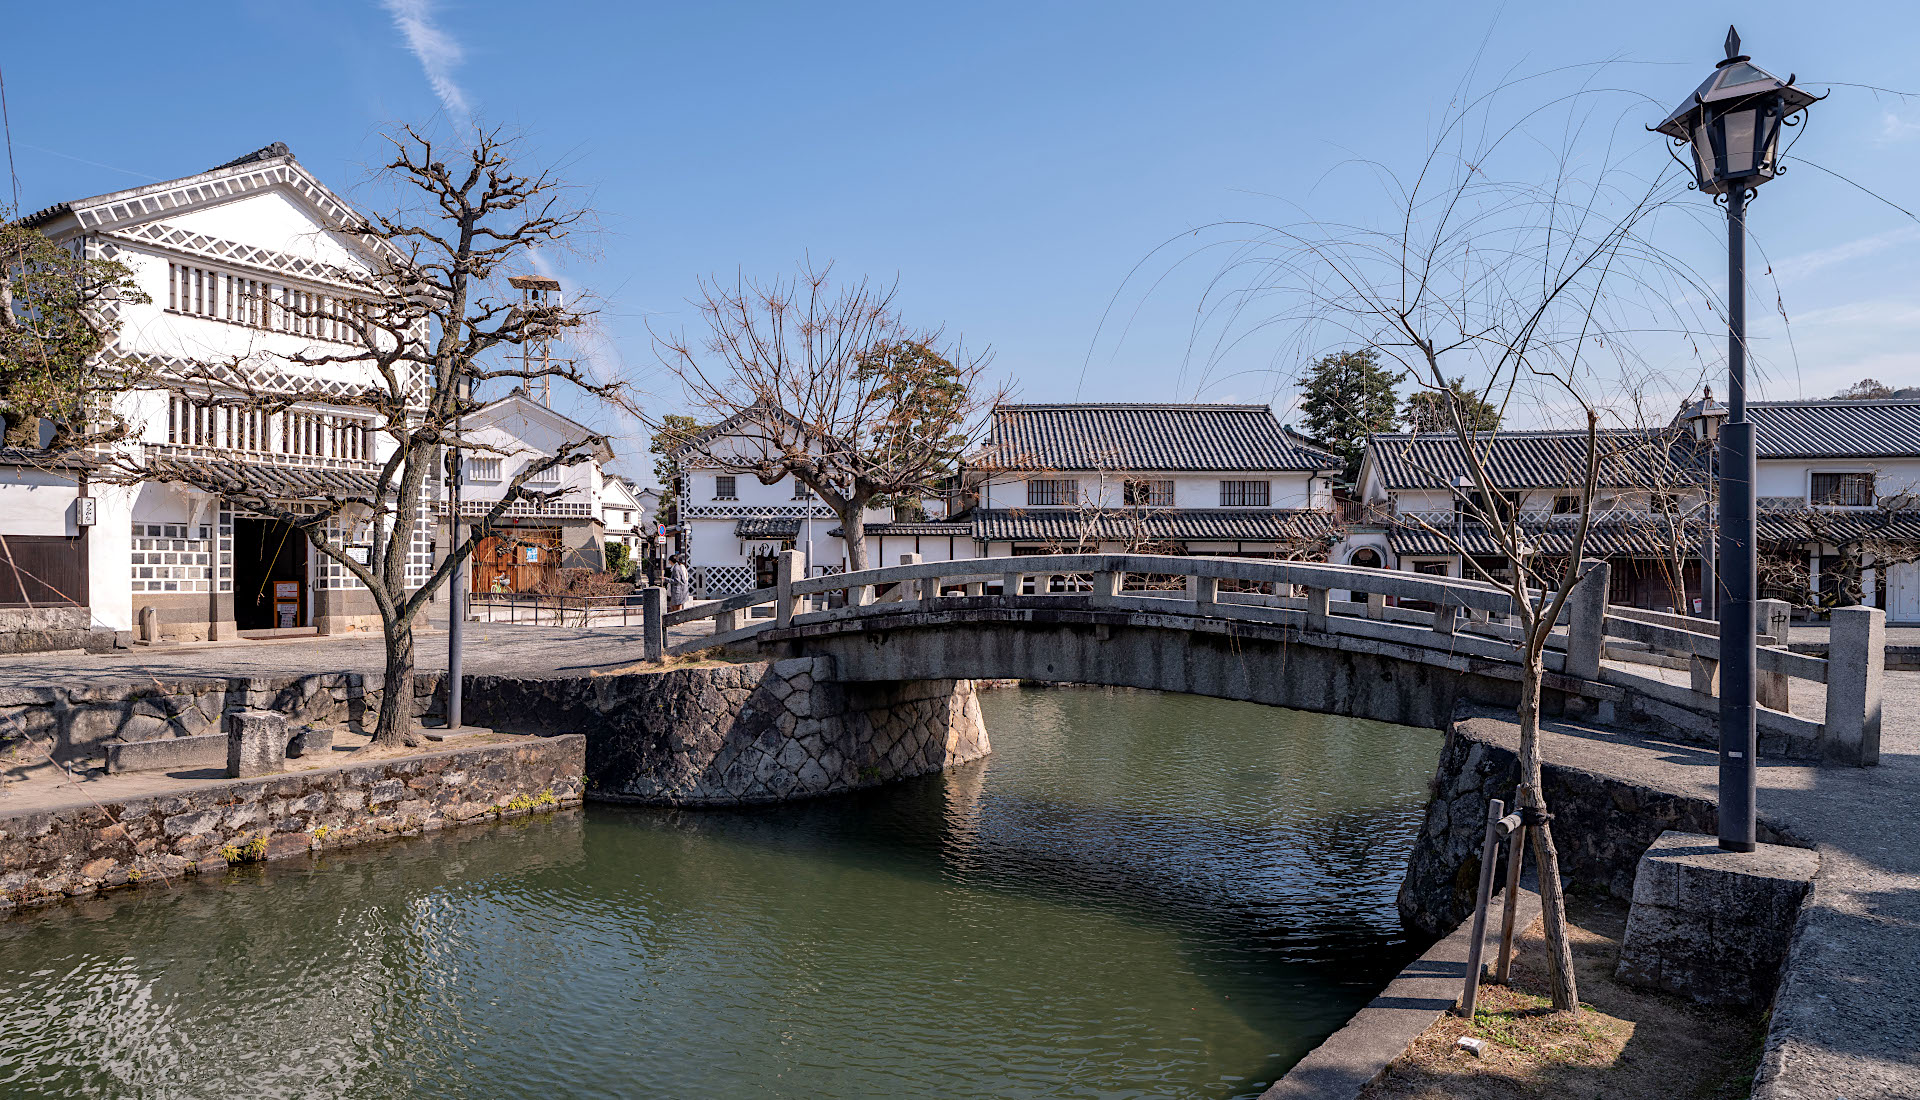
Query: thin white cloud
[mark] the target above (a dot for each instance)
(439, 55)
(1894, 129)
(1806, 263)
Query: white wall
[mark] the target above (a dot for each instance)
(1288, 488)
(37, 502)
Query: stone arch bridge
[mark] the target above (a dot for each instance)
(1392, 646)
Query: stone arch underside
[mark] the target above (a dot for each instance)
(1274, 665)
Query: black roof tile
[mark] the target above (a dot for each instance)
(1193, 524)
(1145, 438)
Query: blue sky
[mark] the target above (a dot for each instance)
(1010, 164)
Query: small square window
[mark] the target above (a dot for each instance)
(724, 488)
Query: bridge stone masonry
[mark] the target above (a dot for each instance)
(1392, 646)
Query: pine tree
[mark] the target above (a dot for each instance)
(1347, 396)
(1429, 411)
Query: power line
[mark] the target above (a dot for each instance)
(7, 125)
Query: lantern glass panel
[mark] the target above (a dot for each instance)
(1702, 146)
(1740, 127)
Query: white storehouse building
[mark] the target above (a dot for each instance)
(242, 263)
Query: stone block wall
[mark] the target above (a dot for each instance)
(77, 723)
(44, 629)
(743, 734)
(1601, 826)
(77, 850)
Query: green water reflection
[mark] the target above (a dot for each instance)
(1137, 895)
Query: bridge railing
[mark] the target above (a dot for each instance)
(1457, 615)
(1848, 728)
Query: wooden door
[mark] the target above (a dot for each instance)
(516, 560)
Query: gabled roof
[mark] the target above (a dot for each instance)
(1630, 457)
(527, 407)
(1144, 438)
(732, 424)
(266, 168)
(1883, 428)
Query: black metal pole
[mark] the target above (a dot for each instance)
(1737, 535)
(456, 601)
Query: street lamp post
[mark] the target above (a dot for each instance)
(1732, 121)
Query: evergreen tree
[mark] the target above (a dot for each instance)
(1427, 411)
(1348, 395)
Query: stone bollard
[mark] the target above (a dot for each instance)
(1711, 924)
(1586, 620)
(1856, 662)
(256, 743)
(310, 741)
(653, 624)
(1770, 688)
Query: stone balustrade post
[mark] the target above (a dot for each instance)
(1106, 587)
(726, 622)
(1586, 620)
(1771, 689)
(1318, 611)
(1205, 593)
(1376, 605)
(976, 588)
(1856, 662)
(786, 573)
(1445, 616)
(1010, 583)
(653, 624)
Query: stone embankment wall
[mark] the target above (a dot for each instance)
(77, 723)
(742, 734)
(77, 850)
(1601, 826)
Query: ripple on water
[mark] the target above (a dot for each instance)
(1136, 895)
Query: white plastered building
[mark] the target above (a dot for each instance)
(242, 264)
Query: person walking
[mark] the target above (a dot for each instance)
(679, 583)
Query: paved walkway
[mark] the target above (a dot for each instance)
(1846, 1025)
(492, 649)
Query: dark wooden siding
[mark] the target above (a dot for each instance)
(43, 571)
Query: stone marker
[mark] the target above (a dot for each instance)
(1710, 924)
(256, 743)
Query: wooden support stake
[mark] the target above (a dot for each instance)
(1516, 853)
(1489, 847)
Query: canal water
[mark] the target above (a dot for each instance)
(1136, 895)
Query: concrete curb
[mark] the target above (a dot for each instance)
(1356, 1055)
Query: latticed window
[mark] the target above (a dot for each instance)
(483, 469)
(548, 476)
(1245, 494)
(725, 488)
(1054, 490)
(1148, 494)
(1843, 490)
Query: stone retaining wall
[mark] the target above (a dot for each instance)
(77, 850)
(78, 723)
(741, 734)
(1601, 826)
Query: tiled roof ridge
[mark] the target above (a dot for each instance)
(1168, 406)
(1515, 433)
(1831, 402)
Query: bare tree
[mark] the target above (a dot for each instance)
(1491, 283)
(828, 385)
(1865, 541)
(424, 331)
